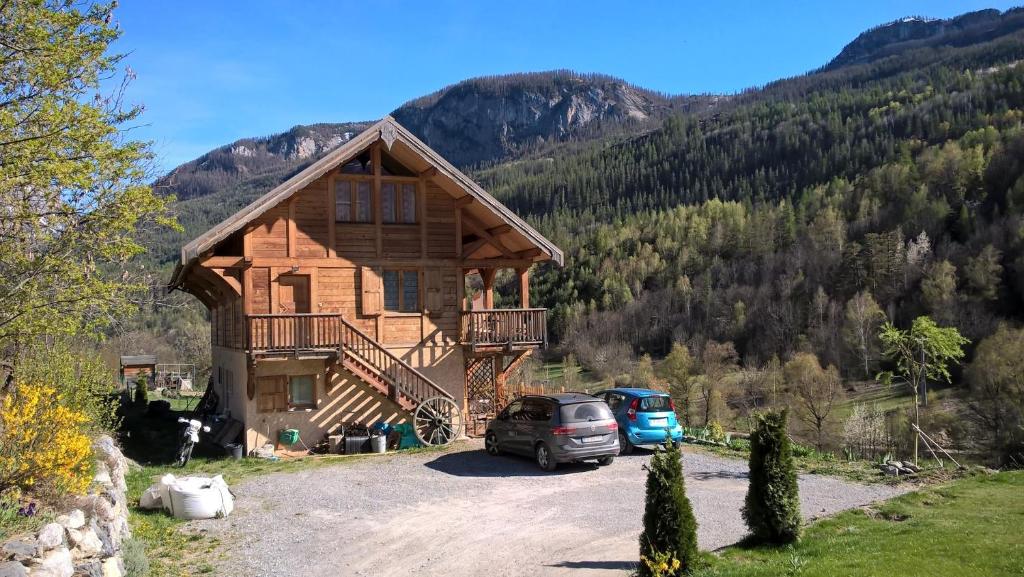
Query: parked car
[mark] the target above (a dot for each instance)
(643, 416)
(554, 429)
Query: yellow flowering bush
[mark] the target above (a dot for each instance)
(43, 445)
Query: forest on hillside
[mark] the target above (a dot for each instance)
(777, 225)
(796, 219)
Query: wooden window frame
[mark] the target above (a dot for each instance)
(418, 309)
(354, 204)
(397, 216)
(292, 406)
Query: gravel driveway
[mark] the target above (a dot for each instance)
(465, 513)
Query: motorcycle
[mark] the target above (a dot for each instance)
(189, 438)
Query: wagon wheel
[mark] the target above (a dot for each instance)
(438, 421)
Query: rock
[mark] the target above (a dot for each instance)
(97, 506)
(102, 476)
(55, 563)
(20, 549)
(112, 567)
(890, 470)
(50, 536)
(13, 569)
(910, 465)
(104, 536)
(89, 569)
(73, 520)
(86, 543)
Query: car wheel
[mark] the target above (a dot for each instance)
(491, 444)
(606, 460)
(625, 447)
(544, 458)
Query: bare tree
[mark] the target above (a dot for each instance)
(815, 391)
(863, 317)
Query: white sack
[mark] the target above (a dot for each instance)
(199, 498)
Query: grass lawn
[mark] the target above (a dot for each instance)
(969, 528)
(174, 551)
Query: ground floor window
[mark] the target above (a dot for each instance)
(301, 393)
(402, 291)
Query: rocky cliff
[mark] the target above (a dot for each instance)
(916, 31)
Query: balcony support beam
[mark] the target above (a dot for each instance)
(524, 287)
(487, 274)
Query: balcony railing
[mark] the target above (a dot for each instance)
(294, 333)
(509, 328)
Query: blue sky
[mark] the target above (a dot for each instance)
(211, 72)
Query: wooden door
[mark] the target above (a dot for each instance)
(293, 298)
(293, 293)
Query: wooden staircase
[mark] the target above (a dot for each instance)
(365, 358)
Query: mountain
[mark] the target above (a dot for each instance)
(488, 119)
(916, 31)
(272, 158)
(481, 120)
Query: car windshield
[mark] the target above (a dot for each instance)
(654, 404)
(583, 412)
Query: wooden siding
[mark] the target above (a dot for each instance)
(440, 223)
(295, 237)
(310, 221)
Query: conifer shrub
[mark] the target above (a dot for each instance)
(668, 544)
(772, 506)
(142, 389)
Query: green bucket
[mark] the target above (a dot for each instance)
(288, 436)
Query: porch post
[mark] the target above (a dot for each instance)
(524, 287)
(487, 274)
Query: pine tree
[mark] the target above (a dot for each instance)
(670, 529)
(772, 507)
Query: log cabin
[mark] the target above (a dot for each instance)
(339, 297)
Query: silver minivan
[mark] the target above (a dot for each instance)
(561, 428)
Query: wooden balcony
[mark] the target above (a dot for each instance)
(504, 329)
(298, 335)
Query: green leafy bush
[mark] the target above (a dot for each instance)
(668, 544)
(772, 506)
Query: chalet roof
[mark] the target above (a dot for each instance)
(388, 129)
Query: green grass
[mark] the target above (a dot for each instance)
(968, 528)
(175, 552)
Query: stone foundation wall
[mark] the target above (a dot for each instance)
(86, 540)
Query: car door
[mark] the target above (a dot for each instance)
(503, 425)
(616, 402)
(539, 423)
(526, 425)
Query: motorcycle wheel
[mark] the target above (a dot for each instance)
(185, 453)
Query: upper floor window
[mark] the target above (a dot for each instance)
(402, 291)
(398, 203)
(352, 201)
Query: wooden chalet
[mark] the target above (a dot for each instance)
(339, 296)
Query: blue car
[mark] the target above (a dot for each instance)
(643, 416)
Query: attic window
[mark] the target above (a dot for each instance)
(358, 165)
(391, 167)
(398, 203)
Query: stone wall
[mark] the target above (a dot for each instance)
(86, 540)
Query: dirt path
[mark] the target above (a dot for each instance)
(465, 513)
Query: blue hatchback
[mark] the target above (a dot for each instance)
(643, 416)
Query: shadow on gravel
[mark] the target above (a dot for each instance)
(609, 565)
(479, 464)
